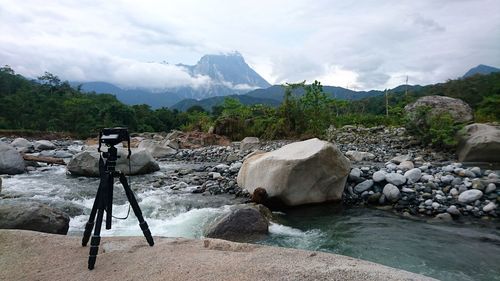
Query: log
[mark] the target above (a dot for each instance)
(48, 160)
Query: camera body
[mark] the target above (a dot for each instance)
(113, 136)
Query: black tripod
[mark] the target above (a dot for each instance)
(104, 202)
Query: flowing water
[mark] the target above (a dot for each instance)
(468, 250)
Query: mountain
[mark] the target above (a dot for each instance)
(208, 103)
(480, 69)
(132, 96)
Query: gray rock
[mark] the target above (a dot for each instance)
(221, 167)
(250, 143)
(44, 145)
(11, 161)
(444, 217)
(395, 178)
(413, 175)
(401, 158)
(453, 210)
(407, 190)
(470, 196)
(357, 156)
(244, 224)
(490, 188)
(489, 207)
(406, 165)
(447, 179)
(435, 205)
(460, 111)
(361, 187)
(453, 192)
(476, 171)
(477, 184)
(22, 145)
(235, 167)
(62, 154)
(379, 176)
(157, 149)
(32, 216)
(391, 192)
(479, 143)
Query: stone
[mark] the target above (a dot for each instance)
(476, 171)
(447, 179)
(11, 161)
(435, 205)
(489, 207)
(235, 167)
(477, 184)
(460, 111)
(490, 188)
(401, 158)
(170, 143)
(311, 171)
(453, 210)
(395, 178)
(358, 156)
(413, 175)
(31, 215)
(479, 143)
(379, 176)
(407, 190)
(243, 224)
(355, 175)
(444, 217)
(363, 186)
(250, 143)
(86, 163)
(216, 175)
(44, 145)
(470, 196)
(428, 202)
(156, 149)
(22, 145)
(453, 192)
(391, 192)
(406, 165)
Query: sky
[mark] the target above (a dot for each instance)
(360, 45)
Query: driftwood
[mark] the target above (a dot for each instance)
(48, 160)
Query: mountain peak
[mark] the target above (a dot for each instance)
(481, 69)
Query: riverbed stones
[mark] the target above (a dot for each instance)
(86, 163)
(490, 188)
(453, 210)
(311, 171)
(479, 143)
(395, 178)
(32, 215)
(460, 111)
(470, 196)
(44, 145)
(489, 207)
(406, 165)
(391, 192)
(379, 176)
(245, 223)
(358, 156)
(250, 143)
(413, 175)
(156, 149)
(363, 186)
(11, 161)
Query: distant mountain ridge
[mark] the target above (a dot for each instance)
(481, 69)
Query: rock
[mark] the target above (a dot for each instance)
(490, 188)
(235, 167)
(22, 145)
(86, 163)
(31, 215)
(391, 192)
(444, 217)
(357, 156)
(250, 143)
(479, 143)
(460, 111)
(406, 165)
(395, 178)
(216, 175)
(401, 158)
(156, 149)
(379, 176)
(44, 145)
(453, 210)
(221, 167)
(476, 171)
(361, 187)
(447, 179)
(243, 224)
(489, 207)
(477, 184)
(413, 175)
(170, 143)
(470, 196)
(11, 161)
(311, 171)
(355, 175)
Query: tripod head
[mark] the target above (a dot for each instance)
(111, 137)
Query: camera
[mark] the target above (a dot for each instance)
(113, 136)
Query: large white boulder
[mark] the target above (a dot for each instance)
(156, 149)
(310, 171)
(22, 145)
(460, 111)
(479, 143)
(250, 143)
(86, 163)
(11, 161)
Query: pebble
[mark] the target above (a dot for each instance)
(363, 186)
(453, 192)
(443, 217)
(489, 207)
(490, 188)
(447, 179)
(470, 196)
(406, 165)
(391, 192)
(453, 210)
(476, 171)
(395, 178)
(413, 175)
(379, 176)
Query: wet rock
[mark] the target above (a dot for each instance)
(391, 192)
(361, 187)
(11, 161)
(453, 210)
(470, 196)
(444, 217)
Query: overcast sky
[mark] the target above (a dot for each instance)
(357, 44)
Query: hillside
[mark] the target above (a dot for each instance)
(207, 104)
(481, 69)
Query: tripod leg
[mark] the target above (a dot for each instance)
(137, 210)
(90, 224)
(109, 200)
(96, 238)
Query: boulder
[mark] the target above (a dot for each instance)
(156, 149)
(364, 186)
(391, 192)
(413, 175)
(357, 156)
(44, 145)
(32, 216)
(11, 161)
(395, 178)
(250, 143)
(311, 171)
(460, 111)
(479, 143)
(470, 196)
(86, 163)
(22, 145)
(245, 223)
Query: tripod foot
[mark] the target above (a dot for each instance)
(86, 235)
(94, 248)
(147, 233)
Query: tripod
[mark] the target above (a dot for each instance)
(104, 202)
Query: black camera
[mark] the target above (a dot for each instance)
(114, 136)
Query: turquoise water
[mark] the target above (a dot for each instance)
(451, 251)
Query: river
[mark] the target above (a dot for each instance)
(465, 250)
